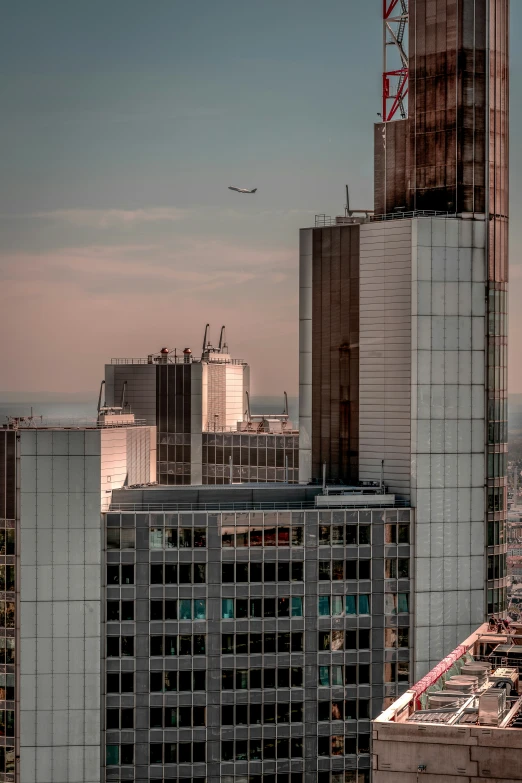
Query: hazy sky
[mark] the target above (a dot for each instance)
(123, 123)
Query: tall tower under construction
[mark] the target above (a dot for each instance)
(403, 371)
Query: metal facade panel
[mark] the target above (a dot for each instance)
(385, 354)
(335, 351)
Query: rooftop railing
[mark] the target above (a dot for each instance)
(327, 220)
(174, 360)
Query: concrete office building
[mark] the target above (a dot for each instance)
(200, 407)
(54, 483)
(461, 722)
(403, 315)
(246, 631)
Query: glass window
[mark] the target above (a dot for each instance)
(200, 537)
(241, 536)
(270, 536)
(185, 609)
(337, 535)
(324, 675)
(113, 542)
(112, 755)
(337, 605)
(171, 538)
(324, 535)
(297, 606)
(283, 536)
(200, 609)
(297, 571)
(337, 675)
(350, 604)
(256, 536)
(227, 608)
(364, 604)
(338, 745)
(403, 602)
(128, 538)
(337, 570)
(297, 536)
(324, 570)
(156, 538)
(185, 538)
(324, 606)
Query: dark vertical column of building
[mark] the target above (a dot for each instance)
(436, 159)
(335, 352)
(173, 407)
(8, 474)
(497, 249)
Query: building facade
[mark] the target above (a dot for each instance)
(461, 722)
(260, 640)
(200, 407)
(54, 483)
(428, 275)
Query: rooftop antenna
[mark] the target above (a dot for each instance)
(205, 338)
(247, 412)
(285, 411)
(102, 384)
(347, 208)
(222, 344)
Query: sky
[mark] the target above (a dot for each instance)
(123, 123)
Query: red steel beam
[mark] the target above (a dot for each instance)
(387, 7)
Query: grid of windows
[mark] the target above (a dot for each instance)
(340, 745)
(262, 749)
(269, 712)
(174, 573)
(177, 752)
(174, 717)
(185, 644)
(255, 457)
(338, 674)
(250, 612)
(344, 640)
(192, 680)
(343, 709)
(284, 606)
(241, 537)
(344, 535)
(177, 538)
(340, 605)
(252, 679)
(336, 570)
(289, 571)
(178, 609)
(243, 643)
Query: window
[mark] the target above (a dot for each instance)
(261, 536)
(120, 646)
(119, 682)
(258, 749)
(120, 719)
(396, 603)
(172, 538)
(164, 682)
(121, 538)
(181, 752)
(262, 572)
(172, 717)
(120, 574)
(119, 754)
(120, 611)
(241, 644)
(254, 679)
(258, 607)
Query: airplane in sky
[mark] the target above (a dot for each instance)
(242, 190)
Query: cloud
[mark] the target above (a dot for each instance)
(109, 218)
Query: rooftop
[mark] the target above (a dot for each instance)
(477, 684)
(244, 497)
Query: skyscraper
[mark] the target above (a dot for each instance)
(200, 407)
(403, 373)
